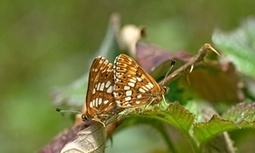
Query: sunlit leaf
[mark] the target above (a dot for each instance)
(238, 117)
(205, 130)
(238, 46)
(175, 115)
(241, 112)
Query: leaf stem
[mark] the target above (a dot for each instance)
(188, 67)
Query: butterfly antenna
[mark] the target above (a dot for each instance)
(67, 111)
(169, 70)
(164, 81)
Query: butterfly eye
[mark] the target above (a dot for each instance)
(165, 89)
(84, 117)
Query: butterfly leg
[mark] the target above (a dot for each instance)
(146, 106)
(164, 99)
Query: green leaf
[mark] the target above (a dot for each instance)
(239, 46)
(243, 112)
(237, 117)
(175, 114)
(203, 131)
(179, 117)
(219, 144)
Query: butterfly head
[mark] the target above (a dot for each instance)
(165, 89)
(86, 117)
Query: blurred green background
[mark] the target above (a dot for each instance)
(44, 44)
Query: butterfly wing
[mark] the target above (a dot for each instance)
(133, 85)
(99, 100)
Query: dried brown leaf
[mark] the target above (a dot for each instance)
(150, 56)
(62, 139)
(215, 83)
(91, 139)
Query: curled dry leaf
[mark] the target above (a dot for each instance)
(87, 140)
(151, 56)
(215, 82)
(62, 139)
(81, 138)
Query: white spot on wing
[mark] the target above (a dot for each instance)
(139, 96)
(109, 90)
(118, 103)
(106, 101)
(127, 98)
(133, 80)
(91, 103)
(148, 86)
(145, 88)
(98, 86)
(131, 84)
(129, 93)
(115, 94)
(101, 87)
(126, 87)
(139, 79)
(99, 101)
(142, 90)
(151, 85)
(108, 83)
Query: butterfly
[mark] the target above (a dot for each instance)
(100, 102)
(111, 89)
(133, 86)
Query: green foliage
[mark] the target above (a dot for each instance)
(238, 46)
(50, 43)
(197, 121)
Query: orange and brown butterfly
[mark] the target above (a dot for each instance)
(133, 86)
(100, 103)
(112, 89)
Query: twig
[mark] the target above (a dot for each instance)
(203, 51)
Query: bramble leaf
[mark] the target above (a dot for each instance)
(238, 46)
